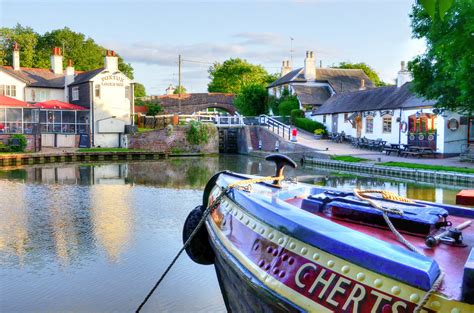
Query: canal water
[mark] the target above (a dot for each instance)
(95, 237)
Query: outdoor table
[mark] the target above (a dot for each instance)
(418, 151)
(394, 147)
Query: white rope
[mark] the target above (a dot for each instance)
(437, 283)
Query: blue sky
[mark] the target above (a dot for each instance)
(151, 34)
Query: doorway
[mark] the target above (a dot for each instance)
(334, 123)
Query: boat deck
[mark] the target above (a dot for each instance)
(451, 259)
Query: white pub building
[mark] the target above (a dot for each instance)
(60, 107)
(396, 115)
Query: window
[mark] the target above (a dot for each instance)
(8, 90)
(387, 124)
(97, 91)
(346, 117)
(369, 124)
(75, 93)
(324, 118)
(127, 92)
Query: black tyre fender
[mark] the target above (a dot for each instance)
(199, 249)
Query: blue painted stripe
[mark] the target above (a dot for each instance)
(371, 253)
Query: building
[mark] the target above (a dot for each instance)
(313, 86)
(104, 95)
(396, 115)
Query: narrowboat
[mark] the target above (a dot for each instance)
(284, 246)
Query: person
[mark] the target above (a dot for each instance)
(2, 128)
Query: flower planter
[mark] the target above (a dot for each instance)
(317, 137)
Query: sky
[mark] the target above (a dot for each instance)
(151, 34)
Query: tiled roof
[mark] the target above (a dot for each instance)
(43, 77)
(315, 95)
(13, 103)
(341, 80)
(382, 98)
(85, 76)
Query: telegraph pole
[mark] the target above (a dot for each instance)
(179, 83)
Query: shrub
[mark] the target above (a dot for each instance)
(287, 105)
(309, 125)
(319, 131)
(296, 113)
(17, 143)
(197, 133)
(153, 108)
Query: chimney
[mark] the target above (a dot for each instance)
(68, 78)
(309, 66)
(111, 61)
(170, 90)
(57, 61)
(285, 68)
(362, 84)
(16, 57)
(404, 76)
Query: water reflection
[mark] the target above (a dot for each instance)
(82, 237)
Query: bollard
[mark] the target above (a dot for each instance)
(277, 146)
(294, 133)
(260, 144)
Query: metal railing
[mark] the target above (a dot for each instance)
(275, 126)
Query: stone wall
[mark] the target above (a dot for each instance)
(173, 141)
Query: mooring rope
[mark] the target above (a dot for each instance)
(389, 195)
(224, 191)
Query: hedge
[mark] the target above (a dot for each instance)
(308, 124)
(296, 113)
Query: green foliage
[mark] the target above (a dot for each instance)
(233, 74)
(252, 100)
(197, 133)
(139, 90)
(273, 104)
(139, 102)
(309, 125)
(17, 143)
(319, 131)
(153, 108)
(35, 49)
(183, 90)
(369, 71)
(432, 7)
(288, 104)
(444, 72)
(296, 113)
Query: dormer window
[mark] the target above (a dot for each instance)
(75, 93)
(97, 91)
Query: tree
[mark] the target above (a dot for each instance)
(36, 49)
(233, 74)
(26, 39)
(139, 90)
(369, 71)
(176, 91)
(444, 72)
(252, 100)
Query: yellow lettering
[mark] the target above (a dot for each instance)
(356, 299)
(337, 289)
(379, 296)
(321, 280)
(300, 270)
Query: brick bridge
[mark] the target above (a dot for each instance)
(194, 102)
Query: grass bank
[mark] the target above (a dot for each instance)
(429, 167)
(348, 158)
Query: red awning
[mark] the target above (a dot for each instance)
(13, 103)
(58, 105)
